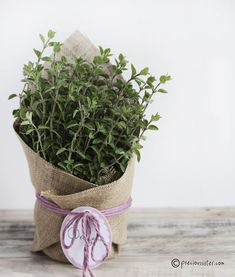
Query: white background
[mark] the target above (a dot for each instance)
(191, 160)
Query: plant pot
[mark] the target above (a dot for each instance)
(70, 192)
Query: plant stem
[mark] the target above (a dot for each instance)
(77, 133)
(39, 139)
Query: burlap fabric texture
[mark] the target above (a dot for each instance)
(69, 191)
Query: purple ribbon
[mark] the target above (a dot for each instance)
(88, 221)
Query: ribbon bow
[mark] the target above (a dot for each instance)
(89, 221)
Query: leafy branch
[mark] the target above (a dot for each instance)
(83, 116)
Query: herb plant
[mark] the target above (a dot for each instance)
(83, 116)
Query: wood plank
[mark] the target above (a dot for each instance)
(155, 237)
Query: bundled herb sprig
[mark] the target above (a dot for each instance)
(83, 116)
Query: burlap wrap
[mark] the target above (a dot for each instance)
(70, 192)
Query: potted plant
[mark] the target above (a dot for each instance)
(81, 124)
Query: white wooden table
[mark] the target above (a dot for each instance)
(155, 238)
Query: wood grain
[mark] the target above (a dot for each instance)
(155, 237)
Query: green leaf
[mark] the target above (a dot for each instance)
(109, 138)
(62, 165)
(137, 152)
(88, 101)
(164, 78)
(97, 141)
(162, 90)
(78, 165)
(72, 125)
(80, 153)
(37, 52)
(122, 166)
(61, 150)
(121, 124)
(138, 146)
(51, 34)
(139, 81)
(63, 59)
(146, 95)
(90, 135)
(42, 38)
(29, 131)
(98, 60)
(150, 80)
(133, 70)
(58, 135)
(96, 150)
(22, 113)
(26, 122)
(75, 112)
(72, 97)
(57, 47)
(155, 117)
(121, 57)
(107, 51)
(29, 115)
(152, 127)
(43, 127)
(15, 113)
(101, 50)
(89, 126)
(119, 151)
(49, 89)
(12, 96)
(144, 71)
(46, 59)
(52, 43)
